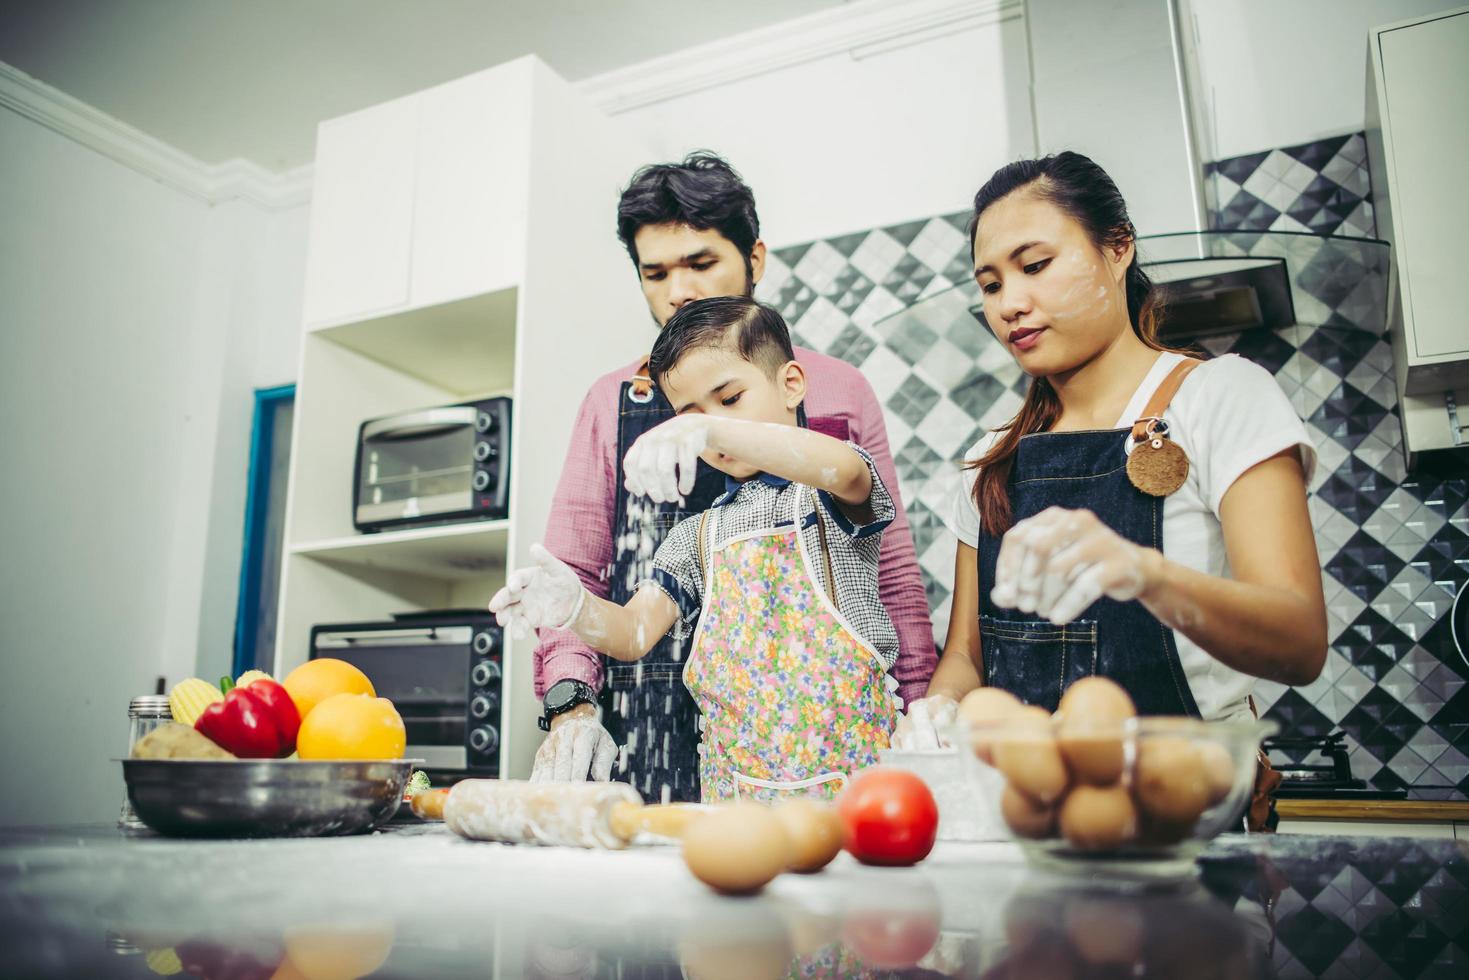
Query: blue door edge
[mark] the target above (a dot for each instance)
(262, 445)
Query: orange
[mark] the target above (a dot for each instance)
(316, 680)
(352, 726)
(336, 953)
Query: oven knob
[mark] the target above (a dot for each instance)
(485, 643)
(481, 480)
(484, 451)
(484, 739)
(484, 422)
(481, 706)
(484, 673)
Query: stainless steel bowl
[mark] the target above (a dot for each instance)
(265, 797)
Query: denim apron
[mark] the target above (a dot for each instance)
(645, 706)
(1036, 660)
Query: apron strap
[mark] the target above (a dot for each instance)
(1162, 397)
(831, 579)
(703, 558)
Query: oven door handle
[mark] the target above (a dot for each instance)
(419, 636)
(413, 425)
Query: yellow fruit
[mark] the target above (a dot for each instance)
(316, 680)
(340, 953)
(164, 962)
(189, 698)
(352, 726)
(251, 676)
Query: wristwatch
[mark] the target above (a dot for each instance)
(561, 698)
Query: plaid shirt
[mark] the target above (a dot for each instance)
(768, 501)
(585, 506)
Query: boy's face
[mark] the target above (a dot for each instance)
(717, 381)
(678, 264)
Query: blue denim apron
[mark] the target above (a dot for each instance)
(1037, 661)
(645, 706)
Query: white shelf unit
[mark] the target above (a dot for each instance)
(486, 263)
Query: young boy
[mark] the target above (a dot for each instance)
(792, 647)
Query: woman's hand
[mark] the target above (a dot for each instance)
(548, 595)
(662, 463)
(1059, 562)
(924, 724)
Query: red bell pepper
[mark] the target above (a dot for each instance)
(287, 717)
(242, 724)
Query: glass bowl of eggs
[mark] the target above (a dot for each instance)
(1095, 789)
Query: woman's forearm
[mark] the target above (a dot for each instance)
(955, 676)
(1265, 631)
(625, 632)
(795, 454)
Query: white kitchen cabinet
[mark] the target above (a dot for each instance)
(1418, 140)
(362, 213)
(492, 182)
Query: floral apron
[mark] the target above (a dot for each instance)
(792, 698)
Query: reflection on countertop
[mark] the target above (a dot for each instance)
(416, 901)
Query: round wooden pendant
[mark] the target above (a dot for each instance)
(1158, 466)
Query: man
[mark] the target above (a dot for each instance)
(692, 232)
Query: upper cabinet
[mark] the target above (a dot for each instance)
(422, 200)
(1418, 140)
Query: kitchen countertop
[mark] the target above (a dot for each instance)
(415, 901)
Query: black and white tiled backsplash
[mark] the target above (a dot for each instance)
(1393, 546)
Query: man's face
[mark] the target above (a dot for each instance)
(678, 264)
(718, 381)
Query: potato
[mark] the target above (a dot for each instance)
(176, 741)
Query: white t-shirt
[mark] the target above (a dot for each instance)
(1228, 416)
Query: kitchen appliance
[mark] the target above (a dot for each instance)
(433, 466)
(442, 671)
(1303, 779)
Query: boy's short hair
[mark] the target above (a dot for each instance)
(702, 191)
(753, 330)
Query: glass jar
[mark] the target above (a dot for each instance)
(145, 713)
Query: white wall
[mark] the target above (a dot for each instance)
(1281, 72)
(843, 143)
(134, 318)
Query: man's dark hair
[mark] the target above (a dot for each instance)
(756, 331)
(702, 192)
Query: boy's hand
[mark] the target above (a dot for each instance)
(925, 724)
(548, 595)
(662, 464)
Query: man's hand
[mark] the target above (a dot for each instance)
(662, 464)
(924, 725)
(577, 749)
(547, 595)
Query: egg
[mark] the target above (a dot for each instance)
(982, 708)
(1105, 931)
(1026, 754)
(737, 849)
(1025, 816)
(1096, 818)
(814, 831)
(1218, 770)
(1091, 717)
(1169, 781)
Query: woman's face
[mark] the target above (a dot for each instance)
(1051, 296)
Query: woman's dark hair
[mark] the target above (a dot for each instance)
(702, 192)
(760, 334)
(1079, 187)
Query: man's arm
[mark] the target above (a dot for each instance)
(580, 531)
(899, 581)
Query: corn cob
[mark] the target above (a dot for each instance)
(251, 676)
(189, 698)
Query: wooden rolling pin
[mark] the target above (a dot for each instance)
(607, 815)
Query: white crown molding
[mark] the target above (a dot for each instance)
(233, 180)
(861, 29)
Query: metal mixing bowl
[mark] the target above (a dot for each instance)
(265, 797)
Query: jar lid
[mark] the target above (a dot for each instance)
(155, 705)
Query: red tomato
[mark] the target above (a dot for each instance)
(890, 817)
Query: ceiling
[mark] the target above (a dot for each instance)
(221, 79)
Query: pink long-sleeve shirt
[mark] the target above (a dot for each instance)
(585, 507)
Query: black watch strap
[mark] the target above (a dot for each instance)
(561, 697)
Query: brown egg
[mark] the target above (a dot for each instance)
(1168, 780)
(1091, 718)
(1096, 818)
(1026, 753)
(1218, 770)
(1154, 832)
(1025, 816)
(815, 833)
(982, 708)
(737, 849)
(1105, 931)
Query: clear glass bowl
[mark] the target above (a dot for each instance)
(1183, 781)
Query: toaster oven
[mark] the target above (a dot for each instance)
(433, 466)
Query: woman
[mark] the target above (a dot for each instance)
(1084, 547)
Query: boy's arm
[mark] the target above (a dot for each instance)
(661, 464)
(625, 632)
